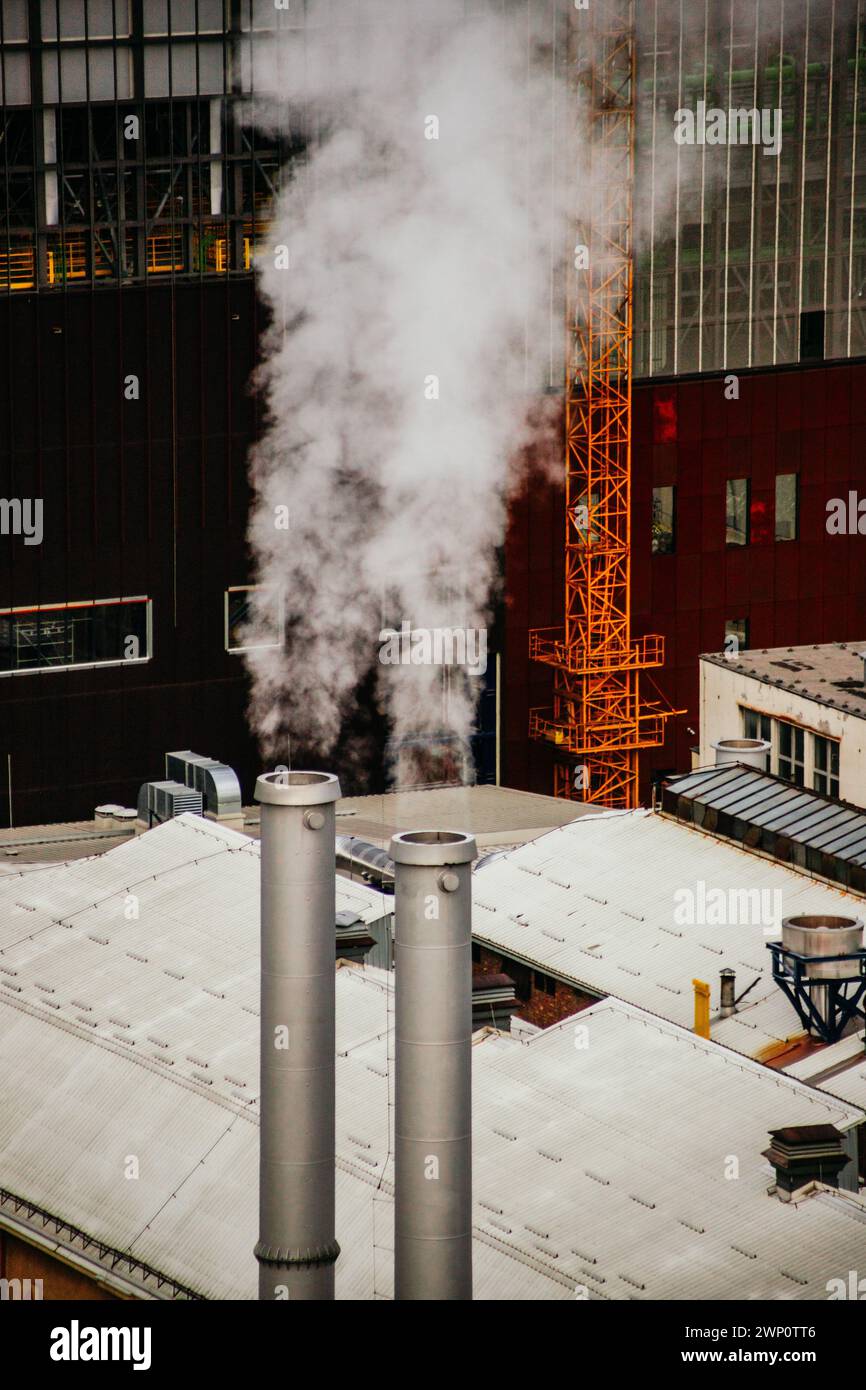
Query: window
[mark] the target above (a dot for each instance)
(792, 762)
(812, 335)
(544, 983)
(736, 636)
(476, 953)
(825, 776)
(254, 618)
(786, 506)
(664, 520)
(737, 511)
(58, 636)
(757, 725)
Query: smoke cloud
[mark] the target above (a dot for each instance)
(409, 275)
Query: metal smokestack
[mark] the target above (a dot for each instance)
(297, 1248)
(433, 1096)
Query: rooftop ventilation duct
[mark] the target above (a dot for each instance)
(369, 861)
(728, 1000)
(751, 752)
(217, 782)
(433, 1095)
(162, 801)
(803, 1154)
(297, 1249)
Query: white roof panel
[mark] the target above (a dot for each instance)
(130, 1110)
(594, 903)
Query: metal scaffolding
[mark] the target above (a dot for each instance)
(598, 715)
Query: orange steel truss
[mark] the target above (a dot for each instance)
(599, 718)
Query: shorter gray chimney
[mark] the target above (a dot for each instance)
(433, 1071)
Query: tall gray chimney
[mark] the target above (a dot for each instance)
(297, 1248)
(433, 1095)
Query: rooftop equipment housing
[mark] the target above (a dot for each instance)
(161, 801)
(217, 782)
(820, 965)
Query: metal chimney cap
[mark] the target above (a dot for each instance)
(433, 848)
(744, 745)
(297, 788)
(812, 921)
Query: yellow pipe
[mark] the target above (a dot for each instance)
(702, 1008)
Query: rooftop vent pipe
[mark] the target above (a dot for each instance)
(433, 1096)
(728, 1002)
(297, 1248)
(752, 752)
(803, 1154)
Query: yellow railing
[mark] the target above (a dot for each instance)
(165, 253)
(69, 258)
(17, 267)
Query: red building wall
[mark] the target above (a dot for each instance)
(686, 433)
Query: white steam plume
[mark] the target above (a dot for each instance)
(410, 258)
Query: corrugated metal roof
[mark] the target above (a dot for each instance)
(494, 815)
(599, 1166)
(153, 945)
(594, 903)
(771, 804)
(839, 1069)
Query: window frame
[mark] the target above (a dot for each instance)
(826, 774)
(259, 646)
(79, 604)
(668, 549)
(798, 733)
(781, 540)
(747, 508)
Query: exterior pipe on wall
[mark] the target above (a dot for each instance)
(433, 1065)
(297, 1248)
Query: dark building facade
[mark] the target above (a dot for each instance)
(750, 263)
(143, 500)
(131, 202)
(742, 551)
(133, 196)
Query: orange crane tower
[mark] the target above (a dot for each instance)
(599, 718)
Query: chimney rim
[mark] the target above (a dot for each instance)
(816, 921)
(433, 848)
(284, 788)
(744, 745)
